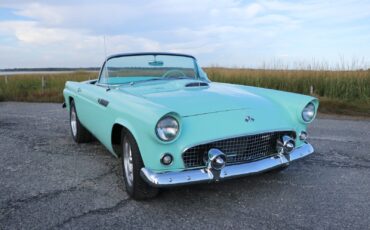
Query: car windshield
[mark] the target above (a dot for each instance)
(134, 68)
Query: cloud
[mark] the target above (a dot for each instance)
(29, 32)
(231, 32)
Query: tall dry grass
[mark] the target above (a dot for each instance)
(339, 91)
(342, 85)
(29, 87)
(344, 92)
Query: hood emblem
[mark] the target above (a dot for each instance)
(248, 119)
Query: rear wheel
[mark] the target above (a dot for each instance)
(79, 133)
(132, 163)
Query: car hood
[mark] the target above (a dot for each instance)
(198, 100)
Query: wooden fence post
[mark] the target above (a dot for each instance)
(311, 90)
(42, 84)
(6, 79)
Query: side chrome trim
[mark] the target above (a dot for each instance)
(194, 176)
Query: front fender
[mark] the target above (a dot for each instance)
(292, 103)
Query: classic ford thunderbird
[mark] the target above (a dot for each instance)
(172, 126)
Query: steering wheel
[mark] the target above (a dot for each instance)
(172, 71)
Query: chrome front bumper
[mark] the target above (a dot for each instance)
(168, 179)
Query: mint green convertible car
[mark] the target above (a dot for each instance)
(172, 126)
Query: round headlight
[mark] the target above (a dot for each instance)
(308, 112)
(167, 128)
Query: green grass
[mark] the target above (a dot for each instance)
(341, 92)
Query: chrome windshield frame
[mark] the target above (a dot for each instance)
(196, 67)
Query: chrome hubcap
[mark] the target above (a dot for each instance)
(127, 162)
(73, 121)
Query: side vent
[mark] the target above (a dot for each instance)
(196, 84)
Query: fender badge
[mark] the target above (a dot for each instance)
(248, 119)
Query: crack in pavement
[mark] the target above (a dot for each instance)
(50, 195)
(331, 159)
(337, 139)
(99, 211)
(328, 163)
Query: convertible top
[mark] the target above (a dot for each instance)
(148, 53)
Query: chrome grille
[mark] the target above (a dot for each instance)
(238, 150)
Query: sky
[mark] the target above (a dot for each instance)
(229, 33)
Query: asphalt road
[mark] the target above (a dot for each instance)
(48, 181)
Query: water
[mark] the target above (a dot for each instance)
(10, 73)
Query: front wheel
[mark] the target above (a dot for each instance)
(132, 163)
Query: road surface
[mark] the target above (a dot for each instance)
(49, 182)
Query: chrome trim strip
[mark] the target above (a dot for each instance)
(219, 111)
(194, 176)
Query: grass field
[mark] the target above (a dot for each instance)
(340, 92)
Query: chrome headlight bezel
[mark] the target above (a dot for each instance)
(309, 112)
(167, 128)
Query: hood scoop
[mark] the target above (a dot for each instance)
(196, 84)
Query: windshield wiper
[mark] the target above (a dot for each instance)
(152, 79)
(174, 78)
(131, 83)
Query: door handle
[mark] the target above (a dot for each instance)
(103, 102)
(79, 90)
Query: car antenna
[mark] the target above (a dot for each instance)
(105, 65)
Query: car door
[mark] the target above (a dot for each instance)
(96, 113)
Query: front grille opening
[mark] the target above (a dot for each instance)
(238, 150)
